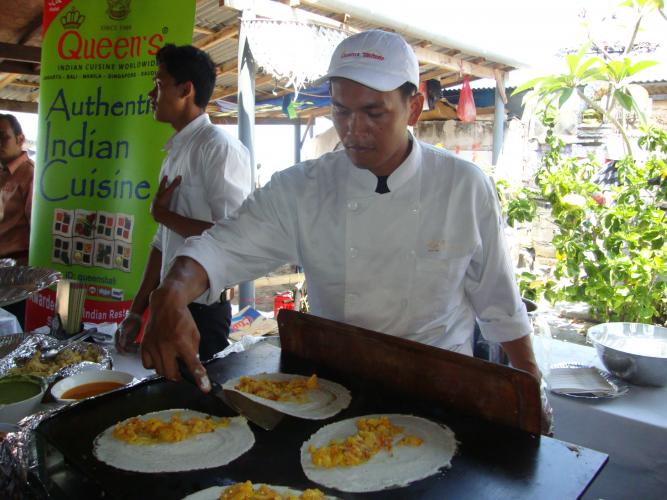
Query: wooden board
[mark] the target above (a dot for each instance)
(468, 385)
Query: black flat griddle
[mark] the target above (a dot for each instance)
(493, 461)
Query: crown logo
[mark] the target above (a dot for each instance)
(118, 9)
(72, 20)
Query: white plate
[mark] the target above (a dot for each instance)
(618, 386)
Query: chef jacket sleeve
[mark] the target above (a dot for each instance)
(490, 283)
(258, 238)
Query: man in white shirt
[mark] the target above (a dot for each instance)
(393, 235)
(204, 178)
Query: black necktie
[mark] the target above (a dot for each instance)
(382, 187)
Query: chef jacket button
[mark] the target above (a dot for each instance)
(353, 252)
(412, 254)
(404, 303)
(352, 205)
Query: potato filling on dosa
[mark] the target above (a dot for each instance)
(250, 491)
(304, 397)
(293, 389)
(154, 430)
(373, 435)
(172, 441)
(384, 451)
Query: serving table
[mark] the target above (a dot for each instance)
(631, 428)
(494, 460)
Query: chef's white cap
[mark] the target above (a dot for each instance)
(377, 59)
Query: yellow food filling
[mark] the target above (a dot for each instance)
(293, 390)
(372, 436)
(154, 431)
(67, 357)
(246, 491)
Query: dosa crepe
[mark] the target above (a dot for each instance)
(305, 397)
(179, 447)
(417, 451)
(249, 491)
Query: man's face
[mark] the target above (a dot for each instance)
(10, 144)
(166, 97)
(372, 124)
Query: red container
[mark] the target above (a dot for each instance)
(282, 300)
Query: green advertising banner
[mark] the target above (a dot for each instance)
(99, 150)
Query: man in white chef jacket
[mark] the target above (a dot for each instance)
(393, 235)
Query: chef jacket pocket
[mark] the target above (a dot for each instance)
(440, 278)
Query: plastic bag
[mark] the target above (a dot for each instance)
(466, 111)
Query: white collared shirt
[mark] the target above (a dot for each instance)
(215, 172)
(419, 262)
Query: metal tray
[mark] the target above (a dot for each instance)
(619, 388)
(17, 283)
(10, 342)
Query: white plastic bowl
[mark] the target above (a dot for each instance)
(88, 377)
(13, 412)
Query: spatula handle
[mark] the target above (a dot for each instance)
(185, 373)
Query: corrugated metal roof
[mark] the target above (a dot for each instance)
(211, 18)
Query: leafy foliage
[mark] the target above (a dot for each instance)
(610, 239)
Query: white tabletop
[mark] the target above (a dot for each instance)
(631, 429)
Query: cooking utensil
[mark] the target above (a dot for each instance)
(263, 416)
(635, 352)
(53, 352)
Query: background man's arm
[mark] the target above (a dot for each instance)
(184, 226)
(128, 330)
(180, 224)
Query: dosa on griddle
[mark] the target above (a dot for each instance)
(202, 451)
(324, 402)
(404, 465)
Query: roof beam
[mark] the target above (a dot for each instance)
(22, 53)
(277, 10)
(205, 31)
(25, 85)
(218, 37)
(18, 106)
(223, 92)
(227, 68)
(259, 120)
(7, 80)
(20, 68)
(453, 63)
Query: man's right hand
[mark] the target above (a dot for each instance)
(171, 334)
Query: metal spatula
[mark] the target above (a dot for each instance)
(263, 416)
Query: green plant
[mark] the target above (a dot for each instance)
(610, 243)
(610, 239)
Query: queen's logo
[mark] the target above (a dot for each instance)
(72, 20)
(118, 9)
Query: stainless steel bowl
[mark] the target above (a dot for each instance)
(632, 351)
